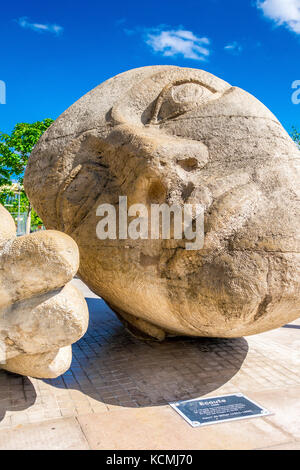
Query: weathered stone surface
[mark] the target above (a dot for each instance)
(177, 135)
(41, 313)
(46, 365)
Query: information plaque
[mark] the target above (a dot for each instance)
(213, 410)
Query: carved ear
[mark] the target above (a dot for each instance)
(82, 185)
(79, 193)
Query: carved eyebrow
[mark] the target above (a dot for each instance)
(160, 99)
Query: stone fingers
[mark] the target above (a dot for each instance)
(47, 365)
(36, 264)
(44, 323)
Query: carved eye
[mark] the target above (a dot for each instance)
(189, 93)
(179, 98)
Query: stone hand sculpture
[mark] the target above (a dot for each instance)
(41, 313)
(174, 135)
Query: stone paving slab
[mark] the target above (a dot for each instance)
(161, 428)
(61, 434)
(114, 374)
(285, 406)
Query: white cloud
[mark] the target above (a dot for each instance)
(233, 48)
(50, 28)
(283, 12)
(178, 42)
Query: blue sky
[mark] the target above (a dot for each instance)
(54, 52)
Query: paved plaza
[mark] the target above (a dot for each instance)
(116, 394)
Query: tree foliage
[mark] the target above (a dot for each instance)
(15, 149)
(296, 136)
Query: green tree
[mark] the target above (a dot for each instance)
(296, 135)
(15, 149)
(4, 177)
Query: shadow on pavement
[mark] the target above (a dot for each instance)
(115, 368)
(16, 393)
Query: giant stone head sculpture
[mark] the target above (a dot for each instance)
(174, 135)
